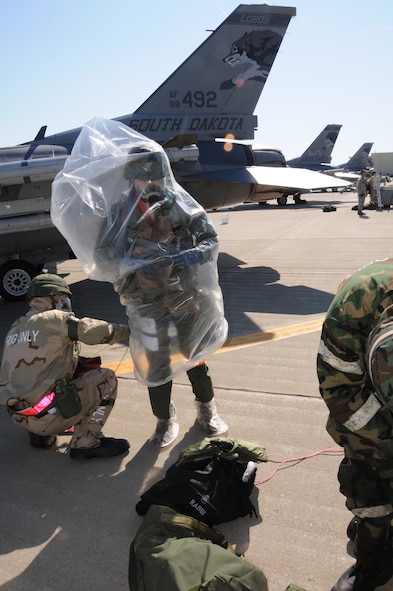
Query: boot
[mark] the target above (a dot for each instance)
(208, 418)
(352, 528)
(166, 430)
(41, 441)
(107, 448)
(360, 578)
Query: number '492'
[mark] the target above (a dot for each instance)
(200, 99)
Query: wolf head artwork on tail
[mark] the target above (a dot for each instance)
(255, 52)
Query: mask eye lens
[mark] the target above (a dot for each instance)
(63, 303)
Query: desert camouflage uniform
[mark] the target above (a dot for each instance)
(358, 420)
(42, 348)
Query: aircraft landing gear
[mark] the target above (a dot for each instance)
(282, 200)
(298, 198)
(15, 278)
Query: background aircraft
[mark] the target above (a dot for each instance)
(360, 160)
(350, 170)
(319, 152)
(211, 95)
(316, 157)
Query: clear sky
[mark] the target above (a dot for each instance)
(64, 62)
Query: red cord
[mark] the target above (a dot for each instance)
(327, 450)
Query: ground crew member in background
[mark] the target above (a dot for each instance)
(355, 372)
(42, 383)
(362, 190)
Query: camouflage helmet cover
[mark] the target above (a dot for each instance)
(146, 164)
(379, 360)
(47, 284)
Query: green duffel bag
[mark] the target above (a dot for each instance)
(175, 552)
(224, 447)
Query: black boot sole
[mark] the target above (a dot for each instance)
(108, 448)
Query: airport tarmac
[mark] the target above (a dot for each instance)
(68, 525)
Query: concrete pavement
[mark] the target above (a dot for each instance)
(68, 526)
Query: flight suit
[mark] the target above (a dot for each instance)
(169, 307)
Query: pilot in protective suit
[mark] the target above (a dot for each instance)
(166, 309)
(130, 223)
(355, 371)
(46, 386)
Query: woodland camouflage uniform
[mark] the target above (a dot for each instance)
(361, 417)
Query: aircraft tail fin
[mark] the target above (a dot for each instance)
(361, 158)
(213, 93)
(319, 152)
(41, 133)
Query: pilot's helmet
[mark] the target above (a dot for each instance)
(47, 284)
(146, 164)
(149, 164)
(379, 360)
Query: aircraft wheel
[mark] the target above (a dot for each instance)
(282, 200)
(15, 278)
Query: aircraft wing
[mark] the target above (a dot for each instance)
(342, 174)
(276, 176)
(347, 176)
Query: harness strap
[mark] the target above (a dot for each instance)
(72, 324)
(198, 527)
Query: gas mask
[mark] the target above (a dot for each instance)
(63, 303)
(151, 191)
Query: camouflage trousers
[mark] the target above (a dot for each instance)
(97, 390)
(370, 498)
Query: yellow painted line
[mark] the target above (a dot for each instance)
(250, 340)
(242, 342)
(120, 367)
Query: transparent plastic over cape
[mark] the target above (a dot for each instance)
(130, 223)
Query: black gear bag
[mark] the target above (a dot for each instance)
(211, 481)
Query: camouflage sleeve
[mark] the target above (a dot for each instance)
(94, 332)
(121, 332)
(340, 369)
(203, 229)
(341, 363)
(357, 419)
(205, 236)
